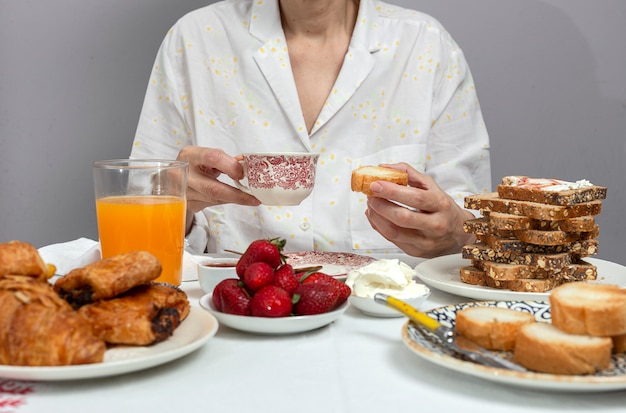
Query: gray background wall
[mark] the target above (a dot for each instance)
(551, 78)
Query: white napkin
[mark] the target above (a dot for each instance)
(69, 255)
(190, 266)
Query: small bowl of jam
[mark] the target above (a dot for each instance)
(214, 268)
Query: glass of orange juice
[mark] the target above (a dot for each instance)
(140, 205)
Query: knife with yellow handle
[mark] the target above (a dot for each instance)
(428, 326)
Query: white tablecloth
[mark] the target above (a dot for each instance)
(356, 364)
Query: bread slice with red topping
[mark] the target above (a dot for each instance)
(549, 191)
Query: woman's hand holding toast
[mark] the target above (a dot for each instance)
(427, 223)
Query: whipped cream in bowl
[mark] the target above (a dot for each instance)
(388, 276)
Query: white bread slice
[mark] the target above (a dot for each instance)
(362, 177)
(544, 348)
(586, 308)
(493, 328)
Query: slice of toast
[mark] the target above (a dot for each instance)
(582, 248)
(536, 210)
(482, 252)
(539, 237)
(561, 353)
(549, 191)
(523, 278)
(472, 275)
(504, 221)
(493, 328)
(526, 285)
(363, 176)
(586, 308)
(483, 226)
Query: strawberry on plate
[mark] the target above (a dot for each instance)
(321, 278)
(230, 296)
(271, 301)
(285, 277)
(263, 250)
(258, 275)
(316, 298)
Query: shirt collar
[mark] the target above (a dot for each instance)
(265, 23)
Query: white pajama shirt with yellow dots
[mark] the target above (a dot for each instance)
(222, 79)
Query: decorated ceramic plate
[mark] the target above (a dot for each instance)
(613, 378)
(194, 332)
(442, 273)
(272, 326)
(337, 264)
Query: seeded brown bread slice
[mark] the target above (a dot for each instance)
(482, 252)
(582, 248)
(483, 226)
(503, 221)
(579, 271)
(472, 275)
(539, 237)
(527, 285)
(578, 224)
(536, 210)
(538, 190)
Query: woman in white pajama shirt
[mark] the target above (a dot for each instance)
(360, 83)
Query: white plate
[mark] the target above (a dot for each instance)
(278, 325)
(337, 264)
(610, 379)
(442, 273)
(195, 331)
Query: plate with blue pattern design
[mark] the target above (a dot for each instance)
(613, 378)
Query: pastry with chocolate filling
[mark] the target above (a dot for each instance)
(107, 278)
(145, 315)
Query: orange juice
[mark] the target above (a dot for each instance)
(150, 223)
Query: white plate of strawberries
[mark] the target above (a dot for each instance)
(269, 297)
(279, 325)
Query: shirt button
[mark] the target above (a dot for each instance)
(305, 226)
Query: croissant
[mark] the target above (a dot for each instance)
(21, 258)
(38, 328)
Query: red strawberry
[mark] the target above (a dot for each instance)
(321, 278)
(271, 301)
(258, 275)
(235, 299)
(286, 278)
(268, 251)
(217, 291)
(315, 298)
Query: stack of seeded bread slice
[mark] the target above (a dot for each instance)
(533, 235)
